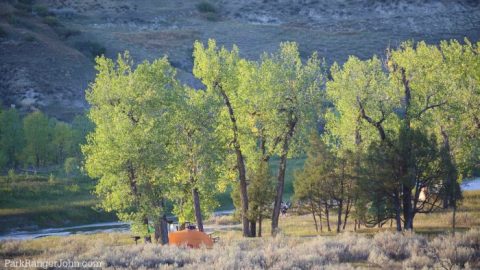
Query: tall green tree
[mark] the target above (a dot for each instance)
(197, 158)
(414, 90)
(37, 132)
(311, 183)
(62, 142)
(219, 70)
(11, 138)
(127, 151)
(292, 92)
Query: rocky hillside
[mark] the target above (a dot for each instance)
(47, 46)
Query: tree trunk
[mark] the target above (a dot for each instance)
(314, 217)
(240, 165)
(147, 238)
(281, 173)
(327, 213)
(407, 187)
(161, 230)
(253, 228)
(198, 211)
(279, 193)
(454, 221)
(260, 226)
(320, 219)
(398, 218)
(339, 218)
(449, 179)
(347, 211)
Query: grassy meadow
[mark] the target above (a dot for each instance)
(30, 201)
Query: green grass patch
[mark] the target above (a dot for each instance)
(35, 200)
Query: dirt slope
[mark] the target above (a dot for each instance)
(48, 65)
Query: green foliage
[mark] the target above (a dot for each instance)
(404, 110)
(197, 158)
(71, 166)
(51, 21)
(31, 200)
(261, 192)
(206, 7)
(30, 38)
(37, 137)
(40, 10)
(132, 111)
(11, 138)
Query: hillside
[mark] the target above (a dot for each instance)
(47, 46)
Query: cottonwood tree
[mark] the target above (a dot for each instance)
(127, 151)
(364, 110)
(413, 94)
(261, 194)
(418, 73)
(293, 101)
(219, 70)
(197, 155)
(11, 138)
(37, 139)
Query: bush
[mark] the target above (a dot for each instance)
(337, 252)
(91, 48)
(213, 17)
(71, 166)
(51, 21)
(66, 32)
(12, 19)
(23, 7)
(30, 38)
(3, 33)
(40, 10)
(225, 220)
(206, 7)
(73, 188)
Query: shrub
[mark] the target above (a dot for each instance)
(12, 19)
(66, 32)
(11, 175)
(73, 188)
(225, 220)
(23, 7)
(90, 48)
(30, 38)
(3, 33)
(40, 10)
(71, 166)
(206, 7)
(337, 252)
(213, 17)
(51, 21)
(10, 248)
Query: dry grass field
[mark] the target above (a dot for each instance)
(431, 246)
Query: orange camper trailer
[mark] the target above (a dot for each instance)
(191, 238)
